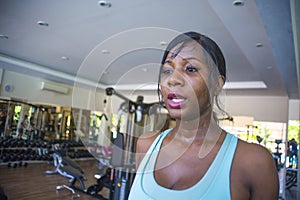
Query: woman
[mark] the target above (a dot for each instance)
(197, 159)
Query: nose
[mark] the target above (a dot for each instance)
(175, 79)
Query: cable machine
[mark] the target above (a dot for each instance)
(138, 118)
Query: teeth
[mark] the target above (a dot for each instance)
(177, 100)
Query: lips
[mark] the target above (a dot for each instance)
(175, 100)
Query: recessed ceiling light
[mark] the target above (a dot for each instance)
(238, 3)
(42, 23)
(65, 58)
(104, 4)
(3, 36)
(104, 51)
(144, 69)
(269, 67)
(258, 44)
(163, 43)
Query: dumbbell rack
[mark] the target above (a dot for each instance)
(20, 151)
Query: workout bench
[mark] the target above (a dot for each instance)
(66, 167)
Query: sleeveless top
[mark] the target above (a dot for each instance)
(214, 185)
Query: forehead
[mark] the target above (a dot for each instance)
(186, 50)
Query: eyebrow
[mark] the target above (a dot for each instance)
(191, 58)
(168, 60)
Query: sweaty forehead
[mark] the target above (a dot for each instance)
(187, 50)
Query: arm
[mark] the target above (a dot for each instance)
(142, 146)
(262, 173)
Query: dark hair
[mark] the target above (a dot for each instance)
(209, 46)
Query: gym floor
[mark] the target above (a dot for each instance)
(30, 182)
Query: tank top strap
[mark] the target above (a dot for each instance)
(155, 146)
(217, 177)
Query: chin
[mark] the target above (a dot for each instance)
(183, 115)
(174, 114)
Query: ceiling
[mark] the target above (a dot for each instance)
(122, 45)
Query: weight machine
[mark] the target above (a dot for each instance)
(140, 117)
(133, 119)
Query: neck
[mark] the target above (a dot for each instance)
(197, 129)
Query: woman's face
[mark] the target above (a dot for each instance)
(187, 82)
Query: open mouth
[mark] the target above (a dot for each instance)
(175, 100)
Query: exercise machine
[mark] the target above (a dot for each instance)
(66, 167)
(140, 117)
(134, 118)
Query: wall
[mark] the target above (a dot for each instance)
(262, 108)
(28, 88)
(294, 109)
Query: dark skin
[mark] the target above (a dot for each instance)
(181, 163)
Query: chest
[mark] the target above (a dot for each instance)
(182, 168)
(179, 168)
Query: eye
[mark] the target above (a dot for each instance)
(166, 71)
(191, 69)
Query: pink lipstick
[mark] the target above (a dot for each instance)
(175, 100)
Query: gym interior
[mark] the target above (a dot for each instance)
(72, 109)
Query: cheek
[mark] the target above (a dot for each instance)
(163, 81)
(201, 91)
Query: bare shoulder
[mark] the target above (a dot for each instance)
(143, 144)
(145, 141)
(254, 152)
(259, 171)
(254, 158)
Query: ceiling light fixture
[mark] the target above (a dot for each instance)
(105, 4)
(163, 43)
(65, 58)
(144, 69)
(238, 3)
(228, 85)
(258, 44)
(42, 23)
(245, 85)
(104, 51)
(3, 37)
(269, 67)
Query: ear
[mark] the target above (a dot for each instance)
(219, 84)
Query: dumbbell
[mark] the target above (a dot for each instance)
(13, 143)
(20, 156)
(20, 143)
(23, 164)
(31, 144)
(12, 157)
(13, 165)
(5, 158)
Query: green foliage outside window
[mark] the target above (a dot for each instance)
(294, 130)
(17, 113)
